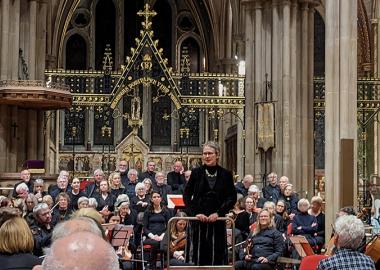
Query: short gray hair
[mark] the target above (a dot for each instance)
(253, 189)
(67, 227)
(92, 202)
(133, 171)
(21, 187)
(350, 230)
(303, 201)
(139, 185)
(39, 207)
(39, 181)
(214, 145)
(82, 199)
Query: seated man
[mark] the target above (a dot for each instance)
(349, 232)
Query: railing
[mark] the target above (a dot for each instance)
(204, 267)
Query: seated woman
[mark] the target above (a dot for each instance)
(271, 207)
(141, 201)
(148, 186)
(266, 245)
(38, 189)
(105, 199)
(291, 200)
(281, 210)
(305, 224)
(114, 181)
(16, 245)
(83, 202)
(246, 218)
(156, 218)
(75, 193)
(315, 210)
(61, 211)
(177, 241)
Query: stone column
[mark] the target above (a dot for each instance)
(4, 57)
(41, 40)
(286, 90)
(32, 38)
(31, 141)
(40, 135)
(14, 129)
(4, 131)
(14, 32)
(47, 128)
(249, 89)
(341, 84)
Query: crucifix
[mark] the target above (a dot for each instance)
(147, 13)
(14, 126)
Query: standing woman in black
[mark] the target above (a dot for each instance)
(209, 194)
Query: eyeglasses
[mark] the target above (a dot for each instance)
(208, 153)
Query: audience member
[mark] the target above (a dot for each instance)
(38, 189)
(25, 178)
(305, 224)
(82, 202)
(93, 189)
(150, 172)
(123, 170)
(62, 211)
(114, 181)
(161, 187)
(243, 186)
(148, 185)
(316, 210)
(130, 185)
(41, 228)
(82, 250)
(254, 193)
(267, 245)
(16, 245)
(349, 232)
(175, 178)
(62, 186)
(272, 191)
(75, 193)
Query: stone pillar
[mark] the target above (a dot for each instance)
(32, 38)
(31, 141)
(41, 40)
(4, 131)
(48, 127)
(15, 127)
(249, 89)
(286, 91)
(40, 135)
(14, 32)
(4, 57)
(341, 84)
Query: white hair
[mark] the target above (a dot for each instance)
(303, 201)
(66, 228)
(253, 189)
(350, 230)
(139, 185)
(21, 187)
(92, 202)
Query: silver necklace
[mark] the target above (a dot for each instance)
(211, 175)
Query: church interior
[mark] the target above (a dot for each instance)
(284, 86)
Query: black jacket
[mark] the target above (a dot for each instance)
(175, 180)
(19, 261)
(268, 243)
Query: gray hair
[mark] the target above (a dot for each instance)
(122, 198)
(98, 171)
(70, 226)
(21, 187)
(350, 230)
(82, 199)
(139, 185)
(86, 245)
(39, 207)
(133, 171)
(303, 201)
(92, 202)
(269, 204)
(39, 181)
(248, 177)
(32, 197)
(253, 189)
(214, 145)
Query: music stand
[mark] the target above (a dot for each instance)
(121, 234)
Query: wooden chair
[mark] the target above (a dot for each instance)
(301, 245)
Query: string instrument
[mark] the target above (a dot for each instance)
(179, 243)
(373, 248)
(126, 254)
(330, 246)
(248, 246)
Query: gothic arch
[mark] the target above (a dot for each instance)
(364, 41)
(183, 38)
(86, 39)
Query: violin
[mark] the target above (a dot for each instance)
(179, 243)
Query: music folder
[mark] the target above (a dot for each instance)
(121, 234)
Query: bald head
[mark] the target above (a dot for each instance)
(82, 250)
(75, 225)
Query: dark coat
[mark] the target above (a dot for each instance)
(208, 240)
(19, 261)
(271, 193)
(268, 243)
(175, 181)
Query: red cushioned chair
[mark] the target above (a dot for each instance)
(311, 262)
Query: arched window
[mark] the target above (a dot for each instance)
(76, 53)
(104, 30)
